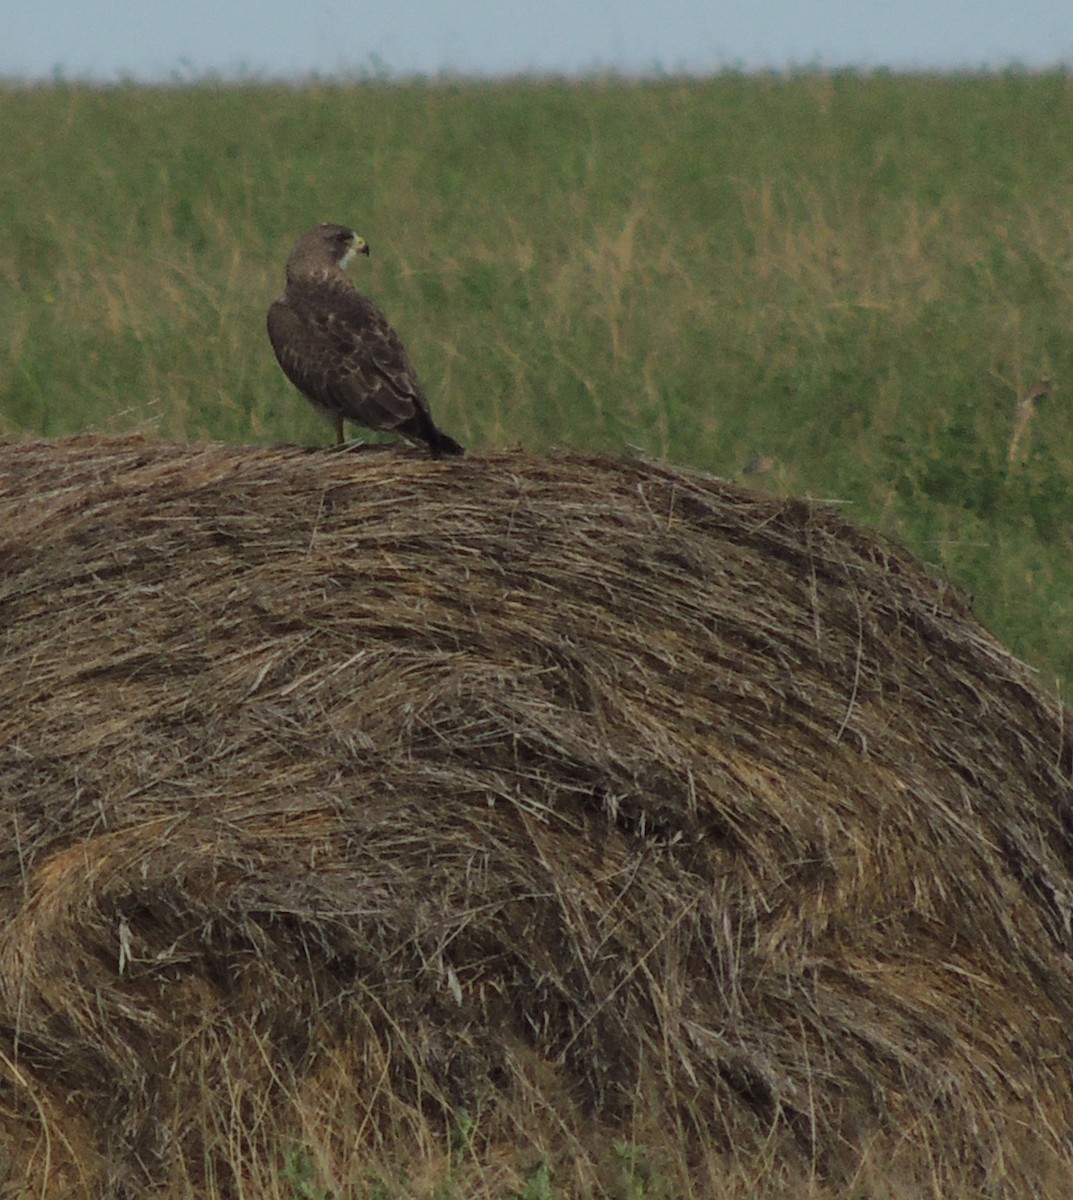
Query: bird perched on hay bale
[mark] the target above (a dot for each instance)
(338, 349)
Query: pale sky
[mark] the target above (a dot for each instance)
(155, 40)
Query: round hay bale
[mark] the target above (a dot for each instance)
(404, 811)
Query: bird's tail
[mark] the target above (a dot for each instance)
(441, 443)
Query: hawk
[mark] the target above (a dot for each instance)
(338, 349)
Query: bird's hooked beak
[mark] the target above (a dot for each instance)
(358, 245)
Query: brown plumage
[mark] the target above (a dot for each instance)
(338, 349)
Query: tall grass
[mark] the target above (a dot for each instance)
(855, 281)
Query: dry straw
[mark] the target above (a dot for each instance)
(406, 812)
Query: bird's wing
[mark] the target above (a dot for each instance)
(339, 350)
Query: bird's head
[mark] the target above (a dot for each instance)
(346, 244)
(323, 250)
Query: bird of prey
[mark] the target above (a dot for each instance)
(338, 349)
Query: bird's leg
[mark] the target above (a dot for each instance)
(340, 439)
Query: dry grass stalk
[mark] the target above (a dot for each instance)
(344, 793)
(1026, 410)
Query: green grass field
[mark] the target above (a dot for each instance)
(856, 279)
